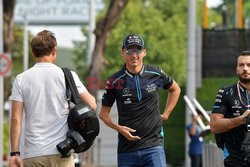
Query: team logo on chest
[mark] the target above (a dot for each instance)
(125, 92)
(236, 104)
(151, 87)
(127, 96)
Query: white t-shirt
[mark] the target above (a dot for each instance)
(42, 90)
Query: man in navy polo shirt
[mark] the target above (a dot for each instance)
(134, 88)
(228, 120)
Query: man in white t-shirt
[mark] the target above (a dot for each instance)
(40, 93)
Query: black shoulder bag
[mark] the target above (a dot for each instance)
(82, 120)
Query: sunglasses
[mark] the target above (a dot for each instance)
(131, 51)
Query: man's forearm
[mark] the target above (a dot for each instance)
(16, 124)
(171, 102)
(106, 118)
(225, 124)
(15, 132)
(193, 129)
(89, 100)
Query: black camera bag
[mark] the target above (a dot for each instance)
(81, 118)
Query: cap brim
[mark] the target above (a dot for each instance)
(133, 44)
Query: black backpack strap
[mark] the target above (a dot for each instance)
(70, 85)
(68, 92)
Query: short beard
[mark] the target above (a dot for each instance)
(244, 80)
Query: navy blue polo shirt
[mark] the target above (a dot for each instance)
(138, 104)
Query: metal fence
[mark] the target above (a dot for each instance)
(212, 156)
(220, 49)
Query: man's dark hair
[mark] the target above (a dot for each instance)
(43, 43)
(245, 53)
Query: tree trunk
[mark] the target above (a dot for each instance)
(102, 32)
(8, 36)
(8, 24)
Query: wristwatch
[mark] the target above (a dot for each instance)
(15, 153)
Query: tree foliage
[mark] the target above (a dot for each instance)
(102, 32)
(163, 27)
(80, 55)
(231, 13)
(214, 16)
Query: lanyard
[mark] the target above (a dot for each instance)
(240, 96)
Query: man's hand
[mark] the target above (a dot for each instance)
(244, 116)
(125, 131)
(15, 161)
(164, 116)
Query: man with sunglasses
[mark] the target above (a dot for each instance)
(134, 88)
(230, 111)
